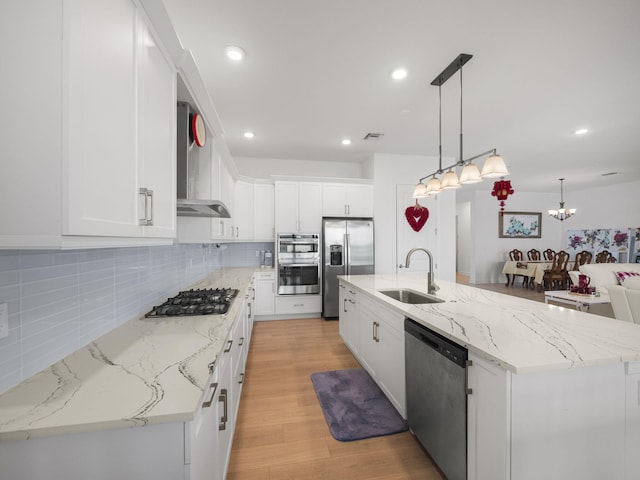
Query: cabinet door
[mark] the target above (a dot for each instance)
(157, 143)
(204, 434)
(334, 200)
(359, 200)
(222, 228)
(99, 122)
(391, 376)
(310, 210)
(263, 212)
(287, 207)
(488, 421)
(265, 295)
(243, 211)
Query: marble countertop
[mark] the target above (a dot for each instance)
(519, 335)
(143, 372)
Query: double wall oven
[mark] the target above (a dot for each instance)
(298, 263)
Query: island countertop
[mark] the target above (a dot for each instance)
(145, 371)
(520, 335)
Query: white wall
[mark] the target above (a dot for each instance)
(265, 167)
(463, 237)
(388, 172)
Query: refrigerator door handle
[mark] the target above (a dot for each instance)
(347, 248)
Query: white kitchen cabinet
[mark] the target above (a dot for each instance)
(349, 321)
(381, 335)
(243, 211)
(263, 212)
(298, 207)
(222, 228)
(101, 136)
(264, 293)
(298, 304)
(375, 335)
(347, 200)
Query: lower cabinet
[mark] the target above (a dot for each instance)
(198, 449)
(298, 304)
(264, 292)
(375, 335)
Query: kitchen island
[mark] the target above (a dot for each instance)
(554, 391)
(149, 372)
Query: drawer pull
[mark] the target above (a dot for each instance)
(209, 402)
(228, 349)
(225, 400)
(241, 381)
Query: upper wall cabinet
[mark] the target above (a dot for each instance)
(298, 207)
(347, 200)
(88, 128)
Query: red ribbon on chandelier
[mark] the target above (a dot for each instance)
(501, 190)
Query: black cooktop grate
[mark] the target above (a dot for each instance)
(207, 301)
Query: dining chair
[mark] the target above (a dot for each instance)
(533, 255)
(604, 257)
(516, 255)
(549, 254)
(582, 258)
(557, 277)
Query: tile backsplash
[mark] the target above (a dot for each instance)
(59, 301)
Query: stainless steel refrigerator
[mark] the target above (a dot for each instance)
(347, 249)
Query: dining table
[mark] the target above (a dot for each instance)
(532, 269)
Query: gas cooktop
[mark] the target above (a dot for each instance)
(207, 301)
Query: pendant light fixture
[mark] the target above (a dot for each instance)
(562, 213)
(494, 165)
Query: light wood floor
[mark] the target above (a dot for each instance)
(281, 433)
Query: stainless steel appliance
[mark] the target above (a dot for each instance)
(436, 379)
(347, 249)
(298, 258)
(188, 204)
(207, 301)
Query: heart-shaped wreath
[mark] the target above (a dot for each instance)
(417, 216)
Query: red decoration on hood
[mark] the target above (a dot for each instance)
(501, 190)
(417, 216)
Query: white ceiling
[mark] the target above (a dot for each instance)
(319, 71)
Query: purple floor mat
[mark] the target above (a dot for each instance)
(354, 406)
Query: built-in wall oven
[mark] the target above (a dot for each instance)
(298, 263)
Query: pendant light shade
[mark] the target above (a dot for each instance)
(562, 213)
(470, 174)
(450, 180)
(494, 167)
(420, 191)
(433, 186)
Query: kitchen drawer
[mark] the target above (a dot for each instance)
(298, 304)
(266, 275)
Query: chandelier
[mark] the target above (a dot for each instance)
(493, 167)
(562, 213)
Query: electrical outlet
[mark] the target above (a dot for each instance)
(4, 320)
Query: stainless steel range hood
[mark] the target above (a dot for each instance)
(188, 204)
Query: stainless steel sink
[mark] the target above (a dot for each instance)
(411, 296)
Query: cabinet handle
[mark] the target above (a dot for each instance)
(250, 312)
(241, 342)
(344, 306)
(143, 220)
(237, 232)
(373, 334)
(208, 403)
(466, 376)
(241, 381)
(228, 349)
(377, 330)
(225, 400)
(253, 293)
(150, 219)
(341, 286)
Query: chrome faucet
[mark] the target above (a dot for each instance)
(431, 284)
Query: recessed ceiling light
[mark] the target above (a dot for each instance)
(234, 53)
(399, 74)
(248, 135)
(346, 141)
(581, 131)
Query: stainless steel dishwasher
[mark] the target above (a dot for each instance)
(436, 384)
